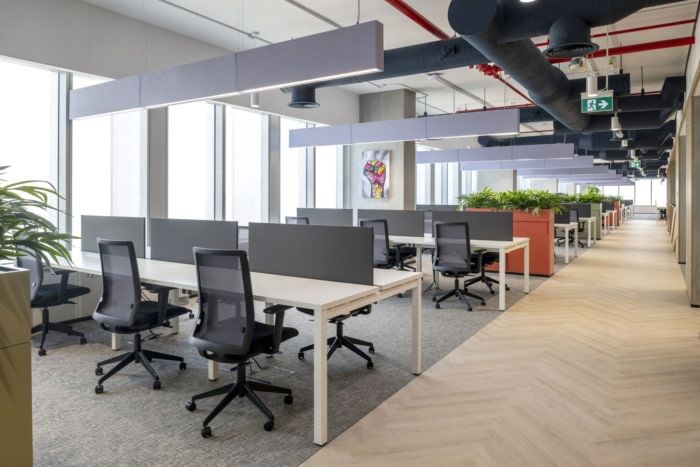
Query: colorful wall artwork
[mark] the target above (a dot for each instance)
(375, 174)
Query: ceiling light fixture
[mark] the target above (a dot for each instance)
(615, 126)
(255, 100)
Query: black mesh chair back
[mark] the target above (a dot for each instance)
(226, 311)
(36, 272)
(297, 220)
(121, 285)
(380, 229)
(563, 217)
(452, 247)
(573, 215)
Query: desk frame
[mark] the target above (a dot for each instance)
(570, 226)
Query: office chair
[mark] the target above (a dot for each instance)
(486, 258)
(453, 258)
(385, 256)
(121, 310)
(46, 296)
(226, 330)
(297, 220)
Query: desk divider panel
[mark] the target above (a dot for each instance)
(607, 206)
(428, 210)
(113, 228)
(482, 225)
(332, 217)
(563, 217)
(330, 253)
(173, 239)
(584, 209)
(399, 222)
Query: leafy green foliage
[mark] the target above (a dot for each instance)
(592, 195)
(526, 200)
(22, 229)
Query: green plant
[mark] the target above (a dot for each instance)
(23, 230)
(526, 200)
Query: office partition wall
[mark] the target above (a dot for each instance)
(173, 239)
(399, 222)
(482, 225)
(336, 217)
(113, 228)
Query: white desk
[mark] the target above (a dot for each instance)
(613, 224)
(327, 299)
(604, 217)
(570, 226)
(502, 247)
(590, 228)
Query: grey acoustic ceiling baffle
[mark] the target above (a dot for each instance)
(488, 122)
(576, 162)
(498, 153)
(350, 51)
(600, 169)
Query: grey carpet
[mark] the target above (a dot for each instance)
(132, 424)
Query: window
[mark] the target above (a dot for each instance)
(107, 163)
(292, 171)
(438, 188)
(610, 190)
(422, 188)
(642, 192)
(191, 161)
(28, 124)
(627, 192)
(452, 182)
(326, 175)
(244, 165)
(658, 192)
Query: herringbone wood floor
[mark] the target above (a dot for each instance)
(598, 366)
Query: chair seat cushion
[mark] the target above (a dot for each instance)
(147, 317)
(50, 294)
(263, 337)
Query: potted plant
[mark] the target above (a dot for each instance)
(22, 231)
(533, 217)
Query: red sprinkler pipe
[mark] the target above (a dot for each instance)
(416, 17)
(630, 30)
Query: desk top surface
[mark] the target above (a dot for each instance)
(288, 290)
(475, 243)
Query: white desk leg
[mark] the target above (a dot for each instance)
(212, 370)
(502, 279)
(321, 377)
(116, 341)
(417, 329)
(566, 246)
(526, 268)
(590, 227)
(576, 241)
(175, 325)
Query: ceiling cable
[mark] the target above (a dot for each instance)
(314, 13)
(358, 12)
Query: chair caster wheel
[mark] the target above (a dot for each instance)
(371, 350)
(370, 365)
(156, 385)
(191, 406)
(99, 389)
(437, 306)
(99, 371)
(206, 432)
(183, 365)
(492, 292)
(469, 308)
(42, 352)
(83, 341)
(269, 425)
(192, 317)
(300, 356)
(507, 288)
(483, 303)
(288, 399)
(434, 299)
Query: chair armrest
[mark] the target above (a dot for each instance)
(63, 285)
(278, 311)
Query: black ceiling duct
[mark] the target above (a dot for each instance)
(304, 97)
(569, 37)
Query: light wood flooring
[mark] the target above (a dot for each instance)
(598, 366)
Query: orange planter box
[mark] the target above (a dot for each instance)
(540, 230)
(616, 207)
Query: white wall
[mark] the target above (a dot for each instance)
(497, 180)
(693, 60)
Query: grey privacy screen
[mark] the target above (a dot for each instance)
(331, 253)
(584, 209)
(408, 223)
(482, 225)
(132, 229)
(337, 217)
(173, 239)
(428, 209)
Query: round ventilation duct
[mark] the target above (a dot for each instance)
(303, 97)
(569, 37)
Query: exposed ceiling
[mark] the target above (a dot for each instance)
(278, 20)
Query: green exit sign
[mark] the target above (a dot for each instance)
(597, 104)
(635, 165)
